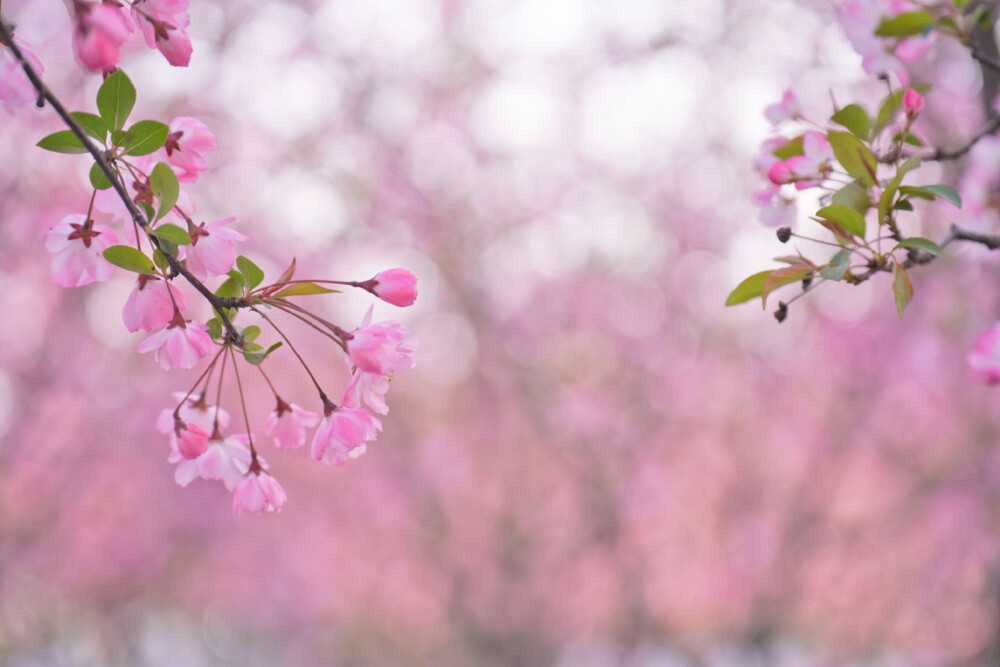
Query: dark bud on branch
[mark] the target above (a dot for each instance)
(782, 311)
(784, 234)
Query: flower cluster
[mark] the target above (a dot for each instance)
(101, 28)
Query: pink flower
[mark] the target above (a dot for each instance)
(15, 89)
(812, 168)
(775, 209)
(225, 459)
(342, 434)
(257, 492)
(984, 359)
(780, 173)
(381, 348)
(78, 249)
(395, 286)
(192, 440)
(913, 103)
(188, 142)
(367, 387)
(212, 251)
(149, 307)
(100, 30)
(162, 23)
(194, 410)
(787, 109)
(180, 345)
(288, 423)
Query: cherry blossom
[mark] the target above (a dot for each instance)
(78, 248)
(287, 425)
(370, 388)
(913, 103)
(151, 304)
(776, 210)
(984, 359)
(15, 89)
(257, 492)
(381, 348)
(180, 345)
(787, 109)
(192, 440)
(225, 459)
(162, 23)
(193, 410)
(395, 286)
(188, 142)
(342, 433)
(101, 29)
(212, 252)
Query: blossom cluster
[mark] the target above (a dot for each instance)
(101, 28)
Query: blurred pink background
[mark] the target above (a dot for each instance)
(594, 462)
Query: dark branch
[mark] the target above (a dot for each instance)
(232, 335)
(992, 126)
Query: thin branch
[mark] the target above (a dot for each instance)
(232, 335)
(942, 154)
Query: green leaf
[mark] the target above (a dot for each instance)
(257, 357)
(903, 205)
(905, 24)
(781, 277)
(902, 288)
(146, 136)
(854, 118)
(254, 276)
(853, 156)
(845, 218)
(886, 200)
(172, 233)
(748, 289)
(238, 277)
(115, 100)
(946, 192)
(159, 259)
(853, 195)
(97, 177)
(230, 287)
(147, 210)
(250, 333)
(163, 183)
(837, 267)
(130, 259)
(790, 149)
(91, 124)
(63, 141)
(920, 243)
(304, 289)
(214, 327)
(916, 191)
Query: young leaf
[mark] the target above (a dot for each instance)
(853, 195)
(790, 149)
(250, 333)
(257, 357)
(130, 259)
(97, 177)
(63, 141)
(172, 233)
(304, 289)
(781, 277)
(853, 156)
(886, 200)
(920, 244)
(163, 183)
(214, 328)
(115, 100)
(159, 259)
(748, 289)
(91, 124)
(854, 118)
(230, 287)
(845, 218)
(948, 193)
(287, 273)
(145, 137)
(902, 288)
(254, 276)
(905, 24)
(837, 267)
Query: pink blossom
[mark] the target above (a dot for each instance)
(194, 410)
(288, 423)
(149, 306)
(257, 492)
(15, 89)
(343, 433)
(180, 345)
(192, 440)
(225, 459)
(395, 286)
(787, 109)
(766, 157)
(188, 142)
(100, 30)
(78, 249)
(780, 173)
(162, 23)
(859, 20)
(913, 103)
(775, 209)
(984, 359)
(381, 348)
(368, 387)
(811, 168)
(212, 252)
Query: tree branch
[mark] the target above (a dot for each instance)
(232, 335)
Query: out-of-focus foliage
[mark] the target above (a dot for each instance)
(594, 462)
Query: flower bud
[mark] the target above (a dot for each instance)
(913, 103)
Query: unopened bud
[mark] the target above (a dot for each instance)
(784, 233)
